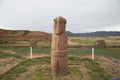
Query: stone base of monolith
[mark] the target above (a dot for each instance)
(59, 63)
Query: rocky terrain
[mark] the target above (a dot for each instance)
(24, 35)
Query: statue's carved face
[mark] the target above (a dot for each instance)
(59, 26)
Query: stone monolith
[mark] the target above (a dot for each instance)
(59, 48)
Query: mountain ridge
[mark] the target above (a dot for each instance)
(97, 33)
(5, 32)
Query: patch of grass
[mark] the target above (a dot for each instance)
(44, 43)
(23, 67)
(112, 40)
(95, 71)
(83, 41)
(76, 71)
(44, 73)
(42, 51)
(91, 40)
(79, 51)
(4, 55)
(25, 51)
(13, 72)
(13, 31)
(21, 51)
(36, 61)
(26, 32)
(115, 53)
(71, 51)
(8, 62)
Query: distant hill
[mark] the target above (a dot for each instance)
(98, 33)
(24, 35)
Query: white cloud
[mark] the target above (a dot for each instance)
(81, 15)
(113, 28)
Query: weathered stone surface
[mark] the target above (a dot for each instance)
(33, 42)
(100, 44)
(59, 48)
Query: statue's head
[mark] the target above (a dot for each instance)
(59, 25)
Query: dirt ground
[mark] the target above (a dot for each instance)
(7, 63)
(111, 66)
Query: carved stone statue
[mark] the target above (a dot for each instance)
(59, 48)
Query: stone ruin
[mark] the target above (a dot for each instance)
(100, 44)
(33, 43)
(59, 48)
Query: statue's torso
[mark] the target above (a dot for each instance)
(59, 42)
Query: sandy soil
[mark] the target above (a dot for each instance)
(7, 63)
(111, 65)
(72, 43)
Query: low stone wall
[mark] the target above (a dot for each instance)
(25, 38)
(70, 46)
(23, 46)
(113, 46)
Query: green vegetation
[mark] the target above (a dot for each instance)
(26, 32)
(72, 51)
(115, 53)
(24, 43)
(42, 51)
(4, 55)
(95, 71)
(41, 66)
(79, 40)
(79, 51)
(43, 73)
(10, 31)
(23, 67)
(14, 31)
(83, 41)
(14, 43)
(44, 43)
(43, 70)
(92, 40)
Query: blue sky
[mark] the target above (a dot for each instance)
(81, 15)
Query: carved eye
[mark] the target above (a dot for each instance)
(54, 20)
